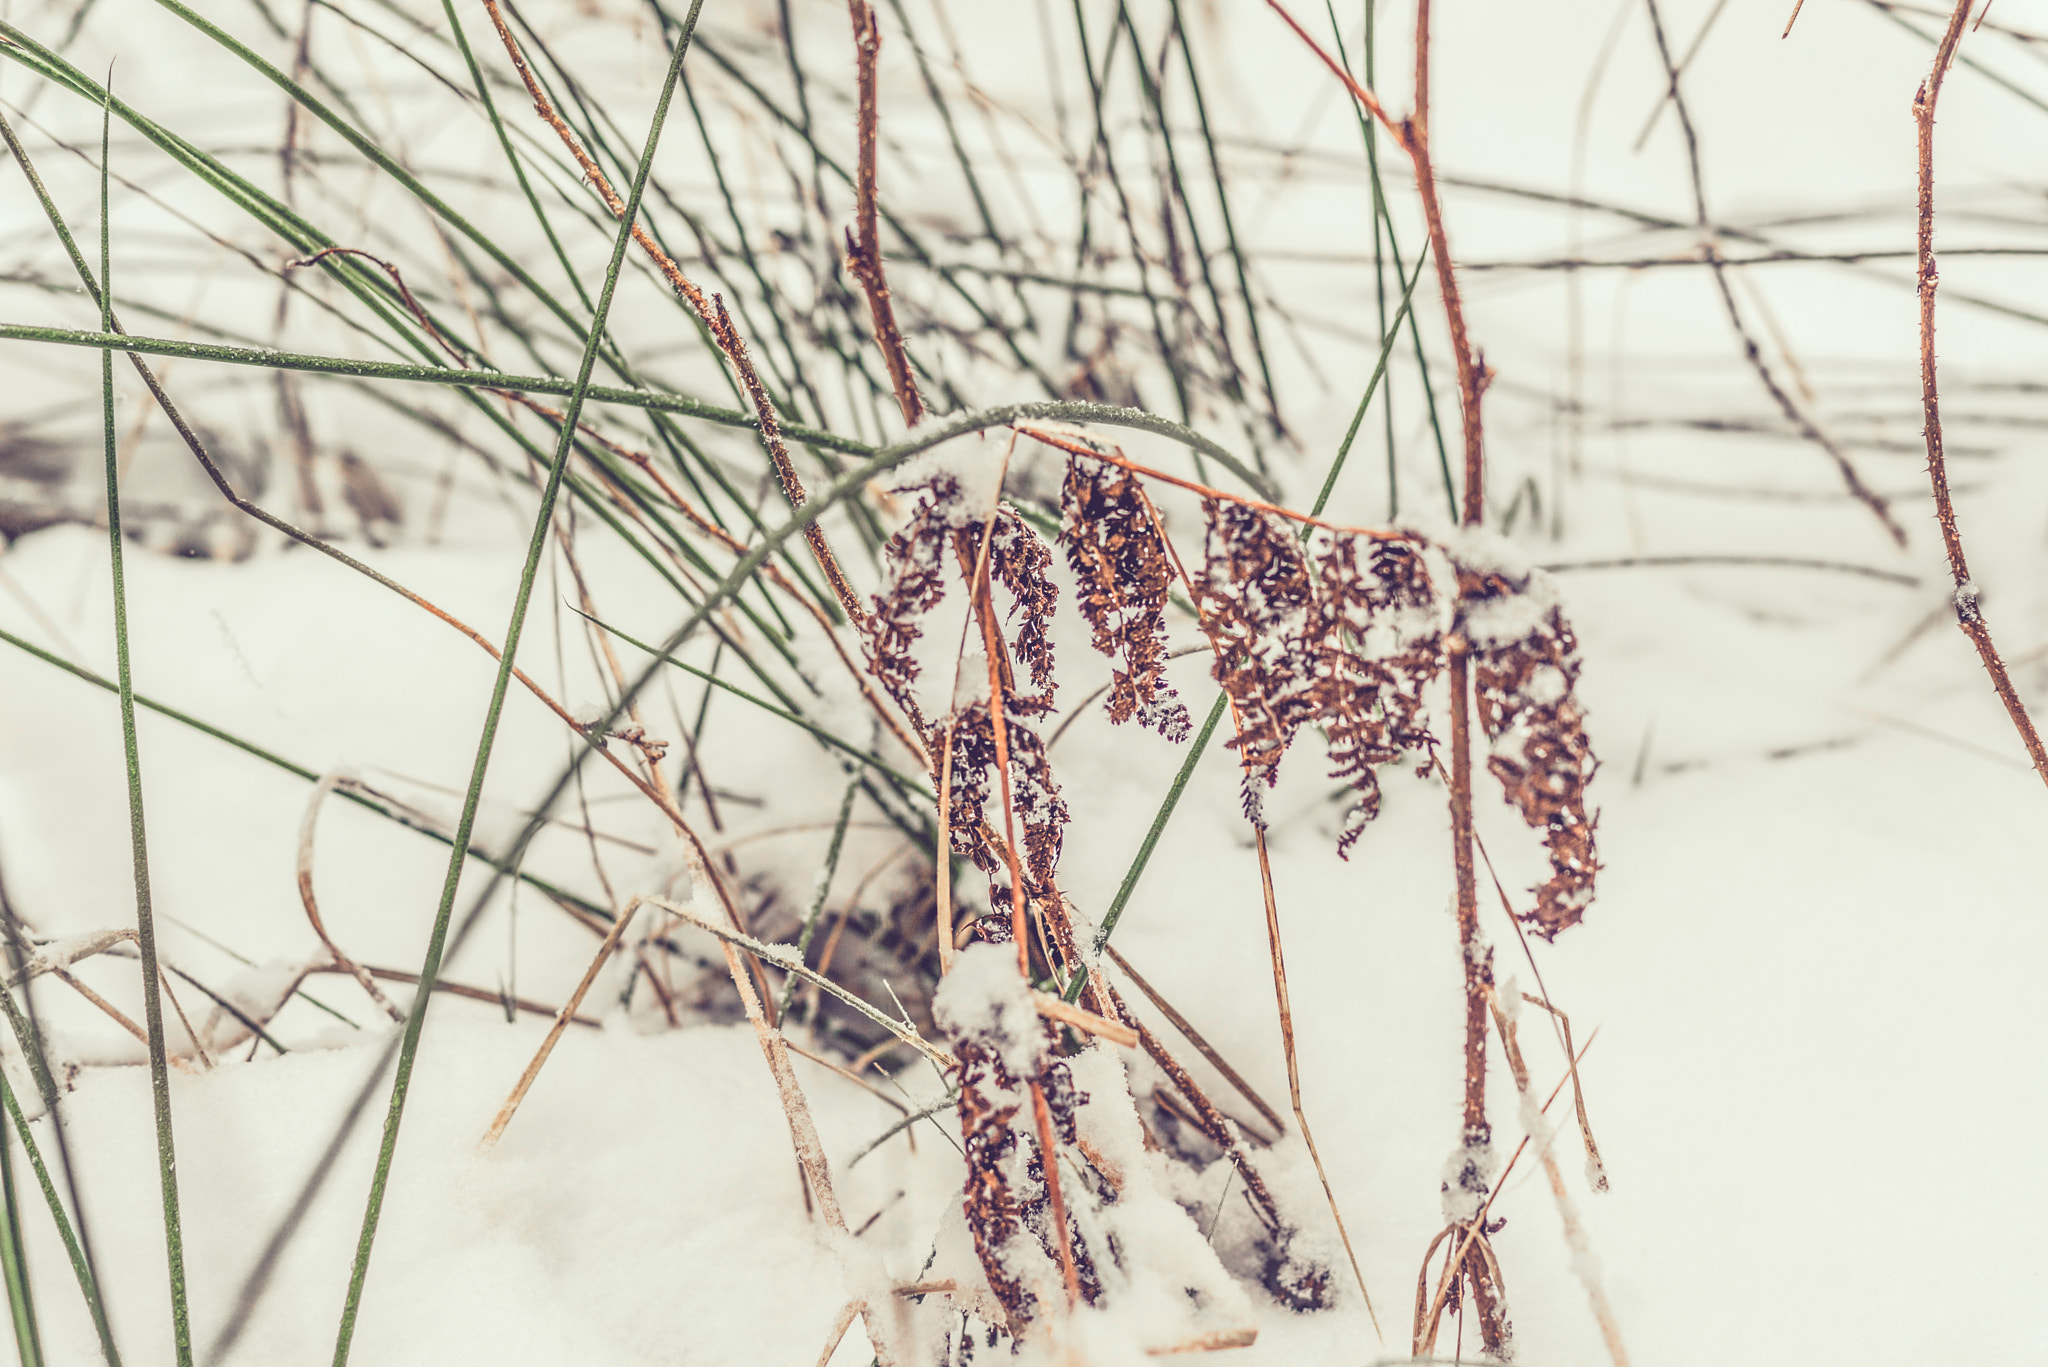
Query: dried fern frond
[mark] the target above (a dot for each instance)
(1525, 668)
(1258, 604)
(914, 582)
(1123, 571)
(1381, 646)
(1004, 1046)
(1018, 560)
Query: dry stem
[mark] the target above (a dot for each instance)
(1194, 1037)
(547, 1046)
(1574, 1232)
(1294, 1070)
(1969, 615)
(307, 827)
(1753, 353)
(710, 311)
(864, 248)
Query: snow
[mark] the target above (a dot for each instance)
(1804, 989)
(985, 998)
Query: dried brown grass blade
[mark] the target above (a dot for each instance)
(1294, 1070)
(1066, 1013)
(1574, 1233)
(1194, 1037)
(554, 1035)
(1596, 1166)
(710, 311)
(307, 826)
(113, 1013)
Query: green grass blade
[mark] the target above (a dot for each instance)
(79, 1245)
(145, 920)
(21, 1309)
(1379, 370)
(81, 1267)
(431, 965)
(816, 911)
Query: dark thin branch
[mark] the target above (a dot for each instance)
(1969, 615)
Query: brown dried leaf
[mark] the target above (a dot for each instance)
(1525, 667)
(1381, 646)
(914, 582)
(1258, 605)
(1120, 562)
(1018, 561)
(1034, 796)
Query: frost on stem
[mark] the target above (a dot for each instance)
(1966, 599)
(1468, 1179)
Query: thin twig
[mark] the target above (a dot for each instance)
(547, 1046)
(1194, 1037)
(1574, 1233)
(1294, 1068)
(710, 311)
(864, 247)
(321, 789)
(1751, 351)
(1969, 615)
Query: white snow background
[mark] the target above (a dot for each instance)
(1812, 959)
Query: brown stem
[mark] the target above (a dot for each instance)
(1472, 375)
(1478, 958)
(562, 1018)
(1968, 615)
(864, 246)
(709, 310)
(307, 826)
(1049, 1156)
(1413, 135)
(1217, 1127)
(1195, 1037)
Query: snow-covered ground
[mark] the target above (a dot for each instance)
(1810, 964)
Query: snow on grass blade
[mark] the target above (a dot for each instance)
(430, 966)
(145, 922)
